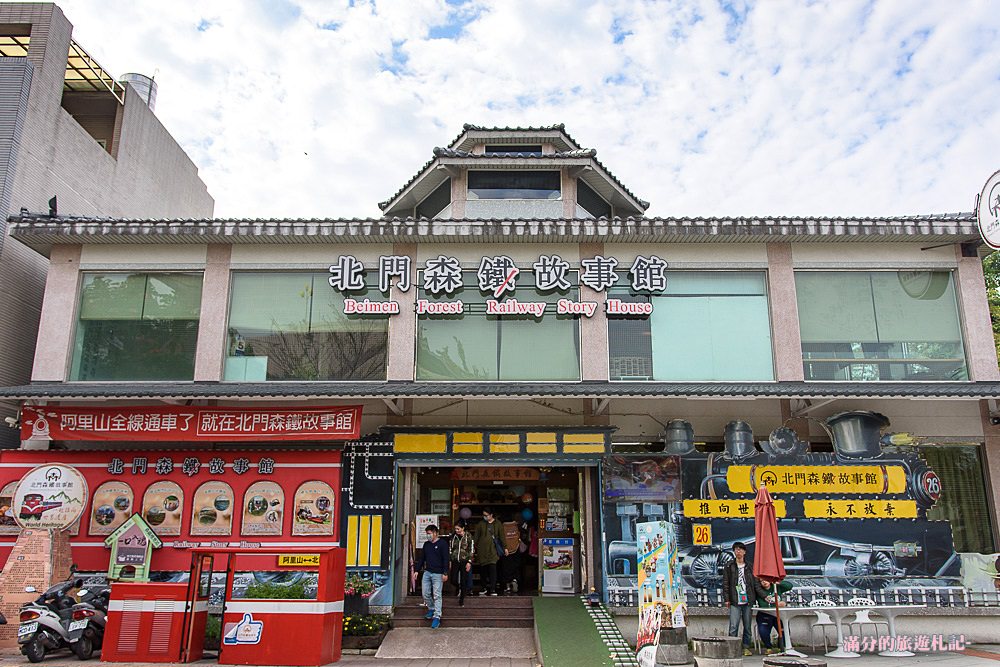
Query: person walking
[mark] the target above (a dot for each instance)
(462, 550)
(738, 593)
(488, 539)
(766, 620)
(433, 560)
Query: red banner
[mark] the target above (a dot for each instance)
(190, 423)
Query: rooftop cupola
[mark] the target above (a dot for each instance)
(513, 172)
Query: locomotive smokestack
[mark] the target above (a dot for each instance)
(857, 434)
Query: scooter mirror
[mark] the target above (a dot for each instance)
(29, 589)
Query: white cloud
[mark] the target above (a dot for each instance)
(839, 108)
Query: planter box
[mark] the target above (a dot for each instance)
(355, 605)
(363, 642)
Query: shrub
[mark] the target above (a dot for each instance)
(272, 591)
(365, 626)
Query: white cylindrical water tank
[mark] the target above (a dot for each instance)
(144, 85)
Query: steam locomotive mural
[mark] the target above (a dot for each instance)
(852, 519)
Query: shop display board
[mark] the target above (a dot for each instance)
(191, 498)
(661, 596)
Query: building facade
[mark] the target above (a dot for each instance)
(70, 131)
(515, 334)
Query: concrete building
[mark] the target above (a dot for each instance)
(518, 335)
(69, 130)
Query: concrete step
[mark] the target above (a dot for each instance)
(479, 611)
(476, 602)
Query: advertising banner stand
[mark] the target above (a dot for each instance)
(661, 594)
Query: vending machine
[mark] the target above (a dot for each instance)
(559, 565)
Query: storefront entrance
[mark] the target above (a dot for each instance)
(546, 513)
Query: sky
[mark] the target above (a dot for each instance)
(323, 108)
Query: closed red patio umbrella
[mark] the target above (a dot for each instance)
(767, 562)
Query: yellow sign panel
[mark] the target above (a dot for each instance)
(855, 480)
(860, 509)
(297, 560)
(739, 508)
(702, 533)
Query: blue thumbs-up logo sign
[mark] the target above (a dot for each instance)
(247, 631)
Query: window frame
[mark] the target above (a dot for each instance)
(370, 284)
(468, 186)
(472, 285)
(650, 295)
(71, 358)
(960, 319)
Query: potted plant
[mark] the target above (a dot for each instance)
(364, 632)
(357, 590)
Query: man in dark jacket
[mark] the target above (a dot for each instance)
(434, 560)
(738, 593)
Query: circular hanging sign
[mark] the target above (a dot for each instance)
(988, 215)
(50, 496)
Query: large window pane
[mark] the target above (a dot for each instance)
(514, 184)
(292, 326)
(963, 503)
(137, 327)
(706, 326)
(477, 346)
(887, 325)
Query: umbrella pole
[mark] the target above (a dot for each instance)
(777, 615)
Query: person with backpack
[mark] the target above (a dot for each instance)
(488, 539)
(463, 550)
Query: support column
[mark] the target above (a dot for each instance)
(212, 334)
(977, 330)
(594, 359)
(402, 342)
(784, 309)
(459, 193)
(991, 454)
(57, 324)
(568, 194)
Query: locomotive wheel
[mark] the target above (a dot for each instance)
(703, 571)
(850, 572)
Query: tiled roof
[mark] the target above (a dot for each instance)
(560, 127)
(41, 232)
(451, 152)
(355, 390)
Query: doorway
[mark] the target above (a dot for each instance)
(545, 513)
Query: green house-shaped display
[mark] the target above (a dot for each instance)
(131, 544)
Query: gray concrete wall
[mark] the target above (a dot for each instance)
(54, 155)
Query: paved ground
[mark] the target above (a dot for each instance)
(463, 643)
(984, 656)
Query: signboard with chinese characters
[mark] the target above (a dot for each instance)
(189, 423)
(661, 592)
(51, 496)
(313, 509)
(859, 509)
(131, 544)
(197, 498)
(263, 509)
(212, 509)
(482, 474)
(735, 508)
(163, 506)
(112, 505)
(988, 212)
(641, 479)
(298, 560)
(497, 275)
(858, 479)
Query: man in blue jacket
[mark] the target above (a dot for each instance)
(433, 561)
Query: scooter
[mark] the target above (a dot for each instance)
(44, 622)
(87, 621)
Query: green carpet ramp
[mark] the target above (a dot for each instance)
(573, 634)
